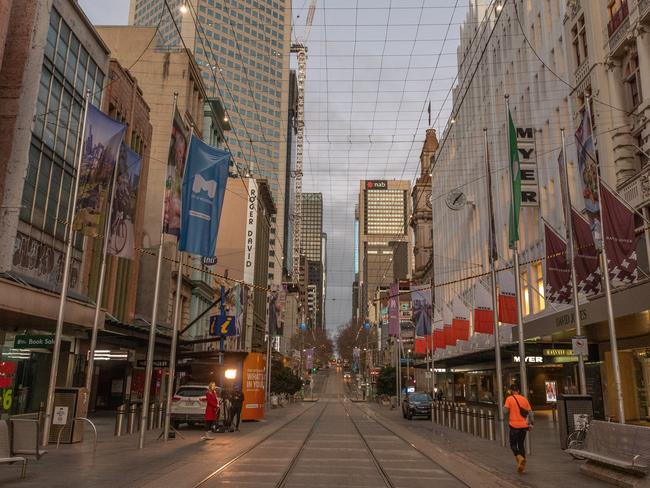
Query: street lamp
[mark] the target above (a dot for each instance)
(183, 8)
(230, 374)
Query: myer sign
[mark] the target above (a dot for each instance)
(251, 230)
(528, 160)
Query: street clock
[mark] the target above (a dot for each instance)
(456, 199)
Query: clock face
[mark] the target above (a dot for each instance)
(456, 199)
(428, 200)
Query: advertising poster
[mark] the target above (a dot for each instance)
(174, 178)
(551, 391)
(253, 376)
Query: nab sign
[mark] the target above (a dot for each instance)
(376, 185)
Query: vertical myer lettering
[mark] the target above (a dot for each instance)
(525, 133)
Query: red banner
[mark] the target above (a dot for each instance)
(460, 322)
(483, 313)
(620, 239)
(507, 298)
(588, 273)
(558, 271)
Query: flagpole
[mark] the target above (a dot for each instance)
(495, 302)
(100, 287)
(56, 350)
(515, 251)
(154, 313)
(571, 256)
(177, 322)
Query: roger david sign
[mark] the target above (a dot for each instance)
(251, 231)
(376, 185)
(528, 167)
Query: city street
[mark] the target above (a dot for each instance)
(328, 442)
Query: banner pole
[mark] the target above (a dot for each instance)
(495, 302)
(571, 257)
(523, 379)
(100, 287)
(177, 322)
(154, 314)
(70, 234)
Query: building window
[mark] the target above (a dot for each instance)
(525, 293)
(633, 80)
(539, 302)
(579, 40)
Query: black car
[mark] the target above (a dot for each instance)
(417, 405)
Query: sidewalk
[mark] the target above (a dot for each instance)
(547, 466)
(119, 463)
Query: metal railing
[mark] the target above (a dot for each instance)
(58, 440)
(480, 422)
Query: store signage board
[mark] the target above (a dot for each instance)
(157, 363)
(33, 342)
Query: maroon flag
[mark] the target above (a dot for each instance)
(619, 237)
(588, 273)
(558, 271)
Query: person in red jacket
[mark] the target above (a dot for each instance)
(211, 410)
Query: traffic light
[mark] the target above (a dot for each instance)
(314, 370)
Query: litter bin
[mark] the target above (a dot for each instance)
(69, 403)
(574, 411)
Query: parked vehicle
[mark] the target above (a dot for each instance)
(417, 404)
(188, 405)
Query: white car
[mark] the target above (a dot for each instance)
(188, 405)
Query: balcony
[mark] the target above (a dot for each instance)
(636, 191)
(617, 28)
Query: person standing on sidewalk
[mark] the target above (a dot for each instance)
(237, 402)
(520, 421)
(211, 410)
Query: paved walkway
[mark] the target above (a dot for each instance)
(119, 463)
(547, 466)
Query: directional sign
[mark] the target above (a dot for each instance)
(366, 326)
(222, 326)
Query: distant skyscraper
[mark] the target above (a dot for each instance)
(244, 45)
(384, 244)
(312, 249)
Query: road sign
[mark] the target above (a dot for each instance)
(303, 326)
(580, 345)
(366, 326)
(222, 326)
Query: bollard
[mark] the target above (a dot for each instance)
(462, 419)
(490, 419)
(132, 419)
(445, 414)
(457, 416)
(120, 413)
(469, 421)
(434, 411)
(152, 415)
(161, 415)
(474, 421)
(448, 414)
(482, 423)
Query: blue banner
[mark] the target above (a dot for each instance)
(204, 185)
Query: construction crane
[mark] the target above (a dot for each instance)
(300, 49)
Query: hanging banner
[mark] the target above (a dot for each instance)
(447, 319)
(439, 341)
(460, 321)
(121, 235)
(483, 312)
(421, 305)
(203, 189)
(277, 300)
(309, 358)
(619, 238)
(588, 274)
(393, 310)
(100, 152)
(507, 298)
(174, 178)
(588, 167)
(558, 271)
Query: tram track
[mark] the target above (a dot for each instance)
(233, 461)
(389, 482)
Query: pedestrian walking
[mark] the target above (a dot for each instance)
(211, 410)
(520, 421)
(236, 404)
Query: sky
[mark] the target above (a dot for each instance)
(373, 67)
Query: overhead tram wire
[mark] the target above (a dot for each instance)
(268, 219)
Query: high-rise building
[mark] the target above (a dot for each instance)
(242, 49)
(384, 244)
(311, 246)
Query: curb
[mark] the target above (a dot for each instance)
(468, 471)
